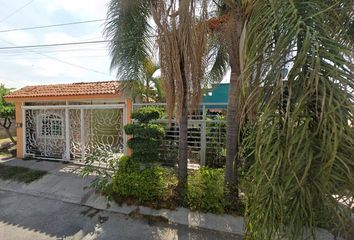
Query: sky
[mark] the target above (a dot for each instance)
(51, 65)
(19, 67)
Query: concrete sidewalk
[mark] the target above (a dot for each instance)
(64, 184)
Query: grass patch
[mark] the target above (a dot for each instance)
(20, 174)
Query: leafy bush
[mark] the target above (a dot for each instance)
(146, 135)
(102, 164)
(146, 185)
(206, 190)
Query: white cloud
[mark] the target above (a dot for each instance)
(53, 68)
(18, 38)
(24, 67)
(83, 8)
(57, 37)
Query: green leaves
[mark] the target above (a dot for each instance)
(147, 114)
(146, 136)
(301, 141)
(7, 110)
(149, 185)
(205, 190)
(129, 31)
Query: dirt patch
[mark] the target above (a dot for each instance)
(135, 214)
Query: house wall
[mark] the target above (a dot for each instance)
(97, 99)
(19, 124)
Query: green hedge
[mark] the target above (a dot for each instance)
(205, 190)
(146, 185)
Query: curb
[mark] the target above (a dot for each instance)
(88, 197)
(183, 216)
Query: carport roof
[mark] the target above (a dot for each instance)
(69, 90)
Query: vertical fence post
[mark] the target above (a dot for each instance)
(127, 119)
(82, 133)
(67, 135)
(203, 137)
(20, 125)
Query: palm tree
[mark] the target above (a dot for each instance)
(301, 139)
(315, 40)
(181, 39)
(147, 87)
(229, 28)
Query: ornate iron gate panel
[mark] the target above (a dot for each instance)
(72, 132)
(95, 129)
(45, 133)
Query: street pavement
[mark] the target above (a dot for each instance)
(29, 217)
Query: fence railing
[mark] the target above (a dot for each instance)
(206, 135)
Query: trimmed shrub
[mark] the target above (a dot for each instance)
(147, 114)
(147, 185)
(205, 190)
(146, 135)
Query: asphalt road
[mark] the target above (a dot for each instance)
(35, 218)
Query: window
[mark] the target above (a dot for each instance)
(51, 126)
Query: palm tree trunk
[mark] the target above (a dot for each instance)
(232, 160)
(233, 110)
(231, 131)
(147, 90)
(183, 150)
(183, 135)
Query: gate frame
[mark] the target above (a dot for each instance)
(126, 107)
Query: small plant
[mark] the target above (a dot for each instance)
(206, 190)
(146, 135)
(103, 164)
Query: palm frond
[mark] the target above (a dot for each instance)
(218, 61)
(128, 29)
(302, 141)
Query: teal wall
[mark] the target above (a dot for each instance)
(219, 94)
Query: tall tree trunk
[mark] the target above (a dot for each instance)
(183, 136)
(183, 150)
(147, 90)
(233, 109)
(233, 127)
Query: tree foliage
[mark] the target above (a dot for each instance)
(301, 138)
(7, 112)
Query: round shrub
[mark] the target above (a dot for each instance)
(147, 114)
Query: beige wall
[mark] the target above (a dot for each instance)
(19, 129)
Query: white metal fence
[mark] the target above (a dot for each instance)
(206, 135)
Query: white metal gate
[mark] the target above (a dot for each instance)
(72, 132)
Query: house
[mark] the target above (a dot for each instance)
(69, 121)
